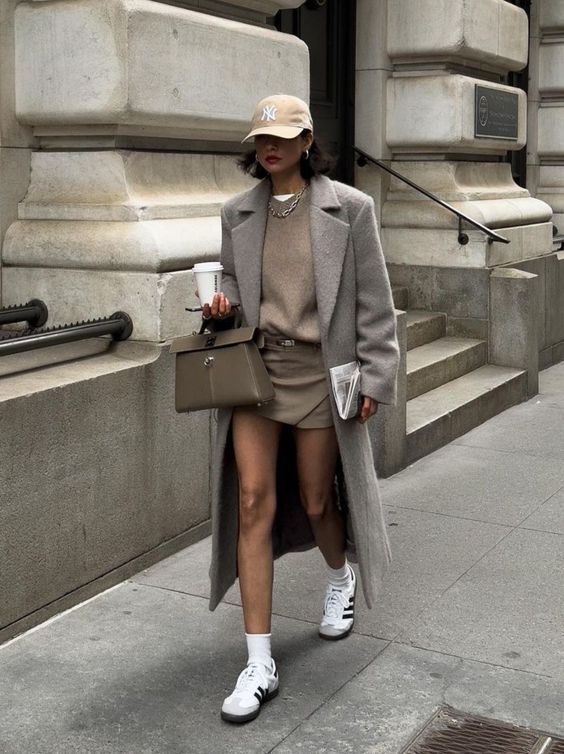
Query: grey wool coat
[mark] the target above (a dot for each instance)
(357, 321)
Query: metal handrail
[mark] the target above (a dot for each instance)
(462, 237)
(35, 313)
(118, 325)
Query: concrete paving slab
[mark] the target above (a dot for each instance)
(549, 517)
(430, 552)
(141, 670)
(185, 571)
(381, 709)
(551, 386)
(481, 484)
(552, 379)
(533, 428)
(508, 609)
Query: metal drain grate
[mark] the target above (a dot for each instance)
(453, 732)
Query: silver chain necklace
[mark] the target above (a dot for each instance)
(288, 210)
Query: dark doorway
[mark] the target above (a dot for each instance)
(328, 28)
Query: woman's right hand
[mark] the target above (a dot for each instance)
(220, 307)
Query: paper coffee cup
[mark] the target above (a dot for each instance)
(208, 280)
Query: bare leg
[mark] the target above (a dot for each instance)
(255, 441)
(317, 451)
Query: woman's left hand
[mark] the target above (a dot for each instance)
(368, 408)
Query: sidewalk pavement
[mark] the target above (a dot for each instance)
(472, 615)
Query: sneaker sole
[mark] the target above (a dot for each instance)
(252, 715)
(344, 635)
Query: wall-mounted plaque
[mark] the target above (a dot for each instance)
(497, 113)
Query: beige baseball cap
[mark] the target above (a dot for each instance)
(280, 115)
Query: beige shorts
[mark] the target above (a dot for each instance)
(300, 385)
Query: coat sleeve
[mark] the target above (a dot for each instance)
(377, 346)
(228, 280)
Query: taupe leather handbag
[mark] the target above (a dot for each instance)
(220, 369)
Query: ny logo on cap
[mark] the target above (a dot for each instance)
(269, 112)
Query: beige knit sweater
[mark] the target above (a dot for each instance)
(288, 304)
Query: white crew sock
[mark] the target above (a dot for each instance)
(340, 578)
(258, 647)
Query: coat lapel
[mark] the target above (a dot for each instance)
(329, 240)
(248, 239)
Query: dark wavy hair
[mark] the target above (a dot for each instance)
(319, 162)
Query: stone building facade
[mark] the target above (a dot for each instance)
(118, 124)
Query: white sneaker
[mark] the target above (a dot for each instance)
(338, 611)
(256, 684)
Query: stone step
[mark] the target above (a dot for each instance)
(400, 296)
(441, 361)
(424, 327)
(443, 414)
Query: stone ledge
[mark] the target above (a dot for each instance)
(147, 66)
(435, 247)
(155, 302)
(270, 7)
(152, 246)
(457, 181)
(129, 186)
(493, 213)
(493, 36)
(26, 374)
(435, 114)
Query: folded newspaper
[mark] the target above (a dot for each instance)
(346, 388)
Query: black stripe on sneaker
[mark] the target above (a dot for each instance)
(258, 697)
(263, 692)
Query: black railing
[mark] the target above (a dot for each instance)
(463, 239)
(34, 313)
(118, 325)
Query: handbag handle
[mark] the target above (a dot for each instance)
(217, 325)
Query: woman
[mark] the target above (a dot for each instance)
(302, 259)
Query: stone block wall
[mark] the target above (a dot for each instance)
(422, 105)
(105, 226)
(117, 141)
(16, 140)
(99, 475)
(550, 324)
(546, 118)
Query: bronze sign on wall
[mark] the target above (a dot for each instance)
(496, 113)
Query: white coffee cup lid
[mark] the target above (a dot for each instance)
(207, 267)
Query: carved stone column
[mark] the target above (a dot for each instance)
(138, 102)
(15, 140)
(547, 114)
(437, 53)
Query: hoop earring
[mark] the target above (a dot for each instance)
(306, 154)
(256, 159)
